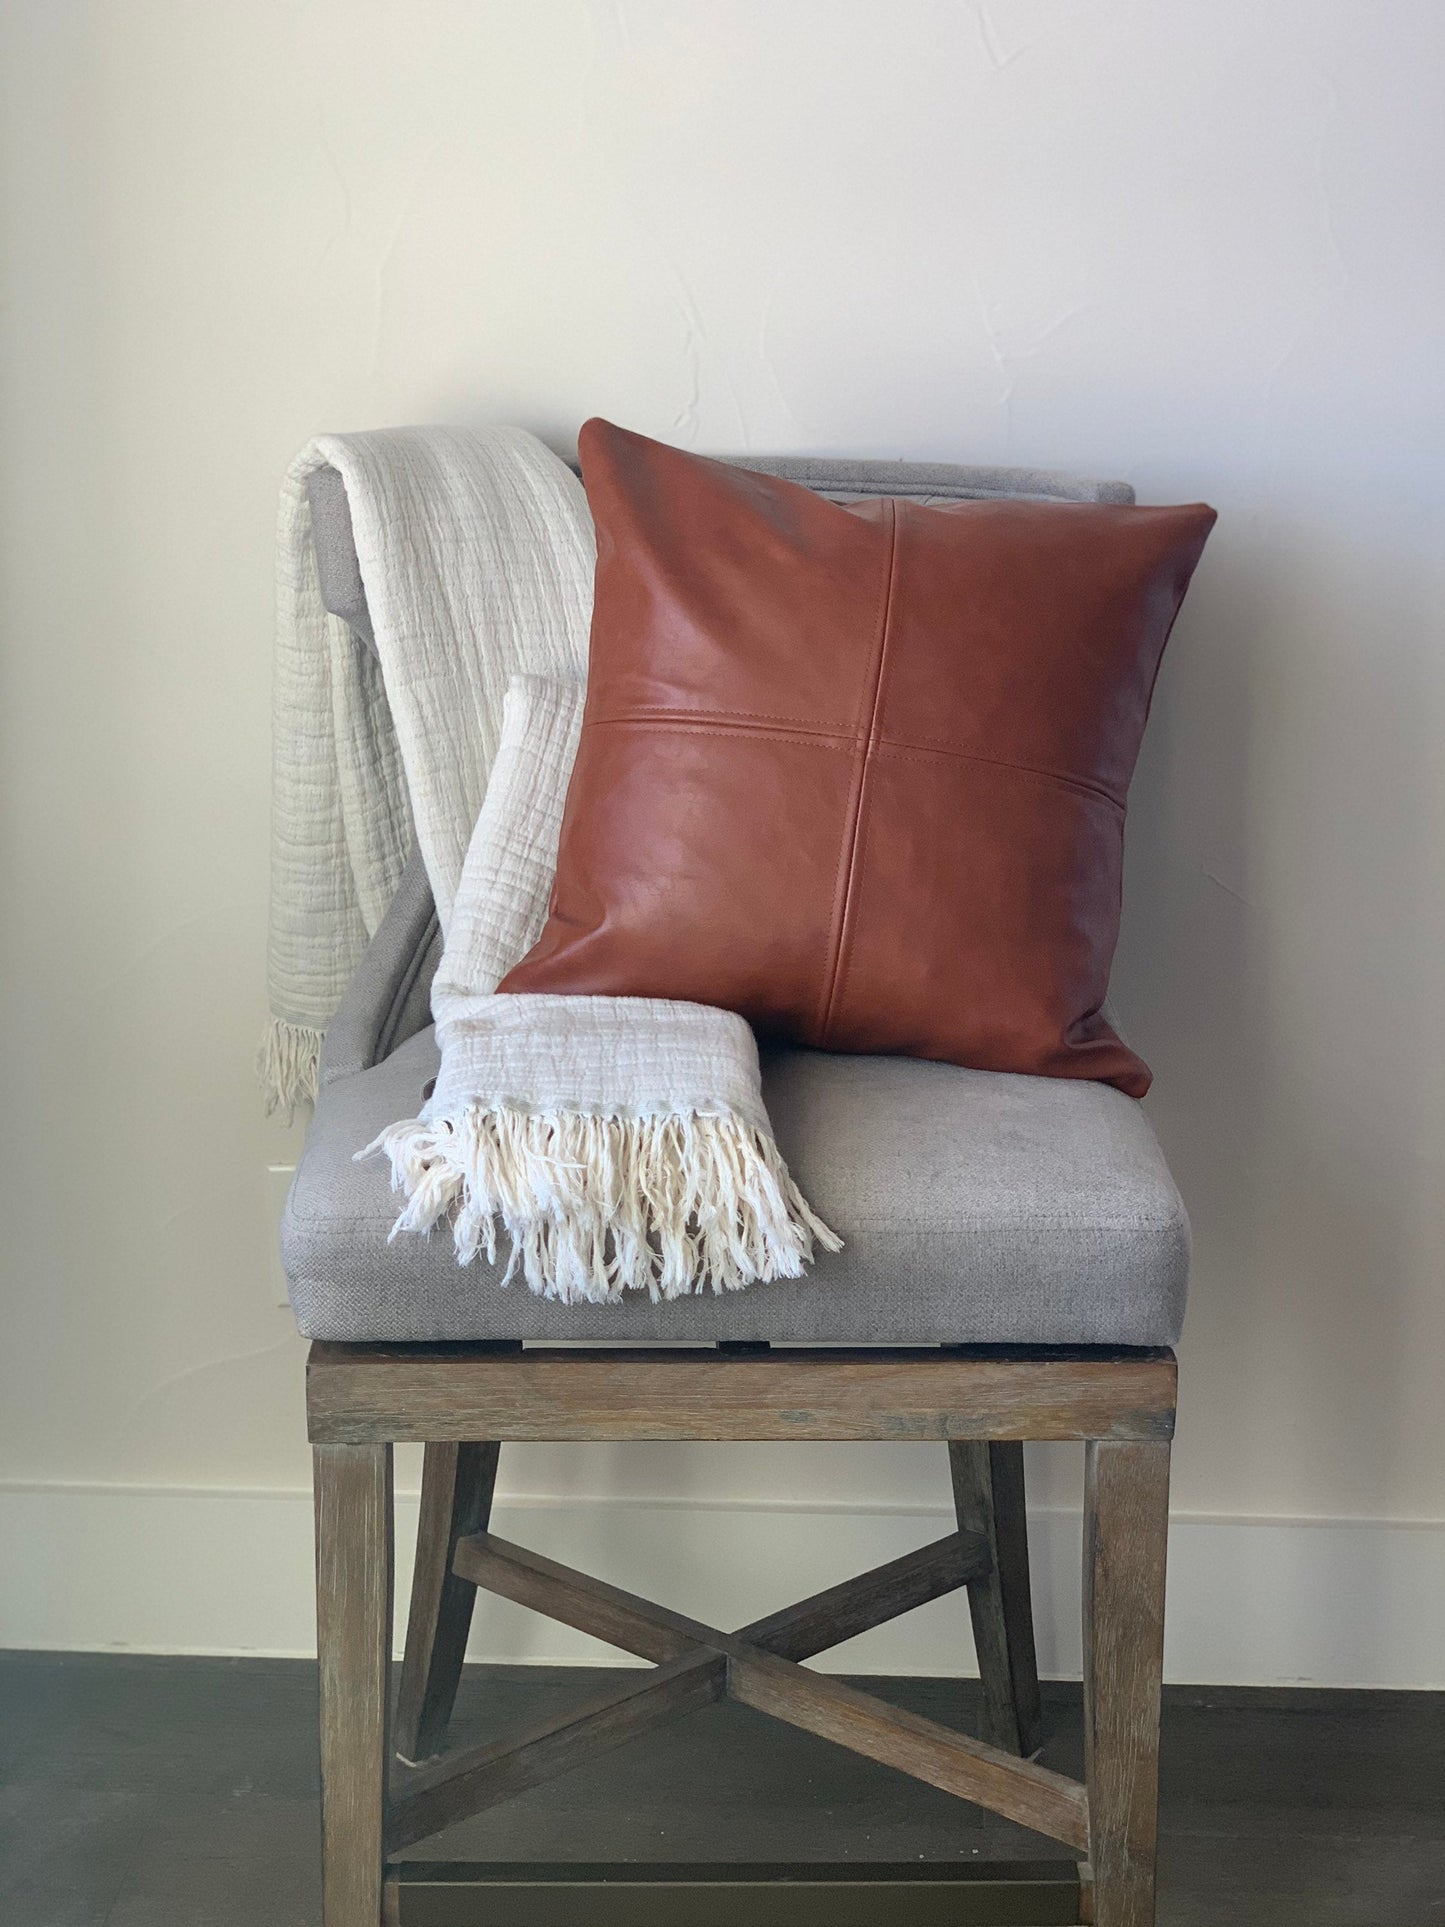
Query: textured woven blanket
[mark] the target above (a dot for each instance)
(619, 1143)
(476, 554)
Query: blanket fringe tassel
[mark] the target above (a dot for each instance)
(597, 1205)
(288, 1064)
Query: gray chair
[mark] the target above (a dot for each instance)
(1014, 1266)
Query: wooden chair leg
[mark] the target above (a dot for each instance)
(353, 1642)
(988, 1494)
(457, 1484)
(1126, 1525)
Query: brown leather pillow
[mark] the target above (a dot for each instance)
(858, 771)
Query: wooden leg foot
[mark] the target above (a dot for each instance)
(988, 1492)
(353, 1640)
(1126, 1524)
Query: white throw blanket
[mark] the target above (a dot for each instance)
(476, 553)
(620, 1143)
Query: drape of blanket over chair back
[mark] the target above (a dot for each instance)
(476, 554)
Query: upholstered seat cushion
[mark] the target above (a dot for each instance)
(977, 1207)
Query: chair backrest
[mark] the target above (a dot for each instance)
(344, 593)
(390, 996)
(337, 568)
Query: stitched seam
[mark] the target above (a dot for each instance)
(926, 752)
(764, 716)
(725, 725)
(1159, 1227)
(1145, 1227)
(650, 724)
(845, 885)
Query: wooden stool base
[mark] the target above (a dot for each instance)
(362, 1399)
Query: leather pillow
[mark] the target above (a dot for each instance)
(858, 771)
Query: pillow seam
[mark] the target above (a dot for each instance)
(852, 839)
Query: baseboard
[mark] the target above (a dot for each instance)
(1251, 1602)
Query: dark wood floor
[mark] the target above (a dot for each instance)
(182, 1793)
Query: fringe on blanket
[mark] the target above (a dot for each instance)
(597, 1205)
(288, 1063)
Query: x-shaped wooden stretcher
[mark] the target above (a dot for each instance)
(695, 1664)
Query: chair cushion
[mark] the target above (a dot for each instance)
(977, 1207)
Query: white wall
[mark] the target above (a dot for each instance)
(1197, 245)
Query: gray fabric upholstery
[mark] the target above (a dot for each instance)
(932, 481)
(976, 1208)
(337, 569)
(389, 996)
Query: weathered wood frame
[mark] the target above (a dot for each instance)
(982, 1403)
